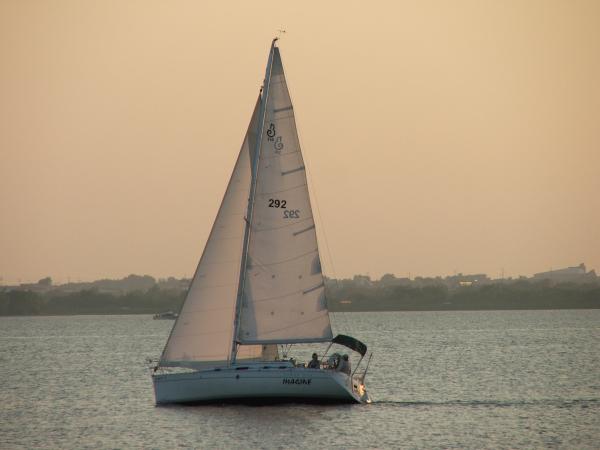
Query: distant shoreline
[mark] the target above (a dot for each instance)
(525, 308)
(331, 311)
(144, 295)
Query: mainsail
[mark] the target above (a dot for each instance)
(284, 293)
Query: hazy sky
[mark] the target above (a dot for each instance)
(440, 136)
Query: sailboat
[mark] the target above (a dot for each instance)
(259, 284)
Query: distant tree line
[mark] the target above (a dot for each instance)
(91, 301)
(497, 295)
(358, 294)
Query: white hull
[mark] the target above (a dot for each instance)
(265, 382)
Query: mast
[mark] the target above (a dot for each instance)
(249, 211)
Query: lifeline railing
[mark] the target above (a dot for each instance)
(366, 368)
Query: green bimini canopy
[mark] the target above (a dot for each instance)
(351, 343)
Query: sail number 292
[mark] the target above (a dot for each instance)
(291, 214)
(276, 203)
(287, 213)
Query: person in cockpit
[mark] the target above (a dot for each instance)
(314, 362)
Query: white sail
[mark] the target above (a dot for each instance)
(259, 280)
(284, 292)
(203, 332)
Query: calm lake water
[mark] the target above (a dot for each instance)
(494, 379)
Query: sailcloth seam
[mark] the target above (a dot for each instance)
(289, 294)
(290, 259)
(283, 154)
(283, 226)
(297, 324)
(284, 190)
(297, 169)
(304, 230)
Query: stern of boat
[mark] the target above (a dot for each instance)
(360, 390)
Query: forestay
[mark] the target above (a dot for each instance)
(284, 293)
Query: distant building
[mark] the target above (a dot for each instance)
(569, 274)
(466, 280)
